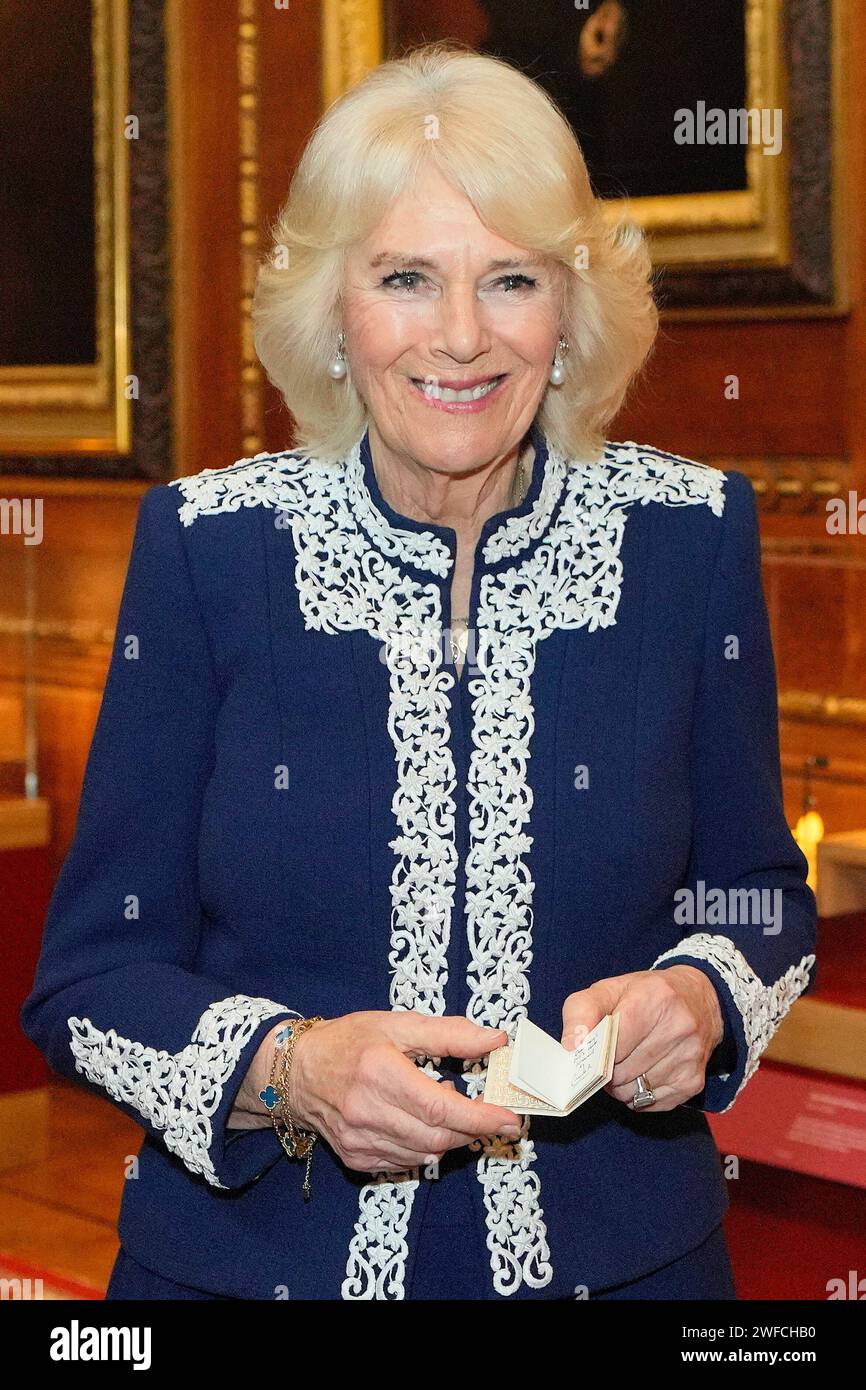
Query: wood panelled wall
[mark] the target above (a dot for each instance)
(245, 82)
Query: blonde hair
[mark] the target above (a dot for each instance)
(503, 142)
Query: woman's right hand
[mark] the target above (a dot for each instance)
(353, 1081)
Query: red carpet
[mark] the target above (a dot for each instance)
(790, 1234)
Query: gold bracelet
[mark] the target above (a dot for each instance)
(297, 1142)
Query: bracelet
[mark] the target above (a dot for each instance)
(297, 1142)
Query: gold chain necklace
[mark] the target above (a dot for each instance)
(520, 486)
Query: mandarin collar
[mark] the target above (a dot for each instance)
(431, 548)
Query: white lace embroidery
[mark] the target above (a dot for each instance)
(344, 584)
(378, 1249)
(422, 549)
(247, 483)
(405, 616)
(571, 580)
(762, 1006)
(514, 533)
(175, 1092)
(498, 908)
(643, 474)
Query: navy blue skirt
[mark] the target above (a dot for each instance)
(702, 1273)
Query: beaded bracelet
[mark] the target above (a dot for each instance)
(297, 1142)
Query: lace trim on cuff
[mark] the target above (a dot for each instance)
(179, 1092)
(762, 1007)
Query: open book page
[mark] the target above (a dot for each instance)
(591, 1064)
(541, 1065)
(537, 1076)
(499, 1090)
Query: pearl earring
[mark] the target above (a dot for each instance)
(337, 365)
(557, 371)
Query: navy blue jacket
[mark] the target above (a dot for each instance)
(292, 806)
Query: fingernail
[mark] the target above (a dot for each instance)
(578, 1035)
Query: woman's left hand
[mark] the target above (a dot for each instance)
(670, 1023)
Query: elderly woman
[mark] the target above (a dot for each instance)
(452, 714)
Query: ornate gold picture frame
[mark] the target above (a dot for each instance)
(771, 246)
(69, 407)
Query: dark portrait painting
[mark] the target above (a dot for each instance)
(620, 70)
(67, 202)
(679, 107)
(47, 233)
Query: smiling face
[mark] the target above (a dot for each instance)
(429, 310)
